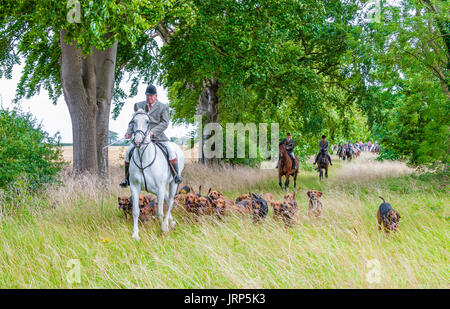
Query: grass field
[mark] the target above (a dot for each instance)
(344, 249)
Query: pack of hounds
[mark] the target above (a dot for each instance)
(214, 203)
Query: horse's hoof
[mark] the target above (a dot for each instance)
(165, 227)
(172, 224)
(136, 237)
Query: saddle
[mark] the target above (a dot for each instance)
(322, 157)
(160, 145)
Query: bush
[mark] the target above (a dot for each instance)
(27, 151)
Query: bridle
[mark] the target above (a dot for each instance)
(140, 131)
(140, 153)
(283, 150)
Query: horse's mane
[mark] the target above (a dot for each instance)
(282, 146)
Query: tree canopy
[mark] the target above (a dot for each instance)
(315, 67)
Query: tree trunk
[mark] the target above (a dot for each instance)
(105, 63)
(87, 84)
(208, 107)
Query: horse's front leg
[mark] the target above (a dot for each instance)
(326, 172)
(279, 179)
(169, 221)
(286, 182)
(160, 209)
(136, 211)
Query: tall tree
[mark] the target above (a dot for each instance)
(399, 75)
(79, 48)
(242, 61)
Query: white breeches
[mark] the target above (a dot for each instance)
(172, 154)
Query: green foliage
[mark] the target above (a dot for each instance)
(315, 67)
(242, 140)
(30, 32)
(276, 61)
(16, 199)
(402, 77)
(417, 127)
(27, 151)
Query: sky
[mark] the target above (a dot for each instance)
(56, 118)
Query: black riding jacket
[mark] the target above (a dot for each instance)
(289, 145)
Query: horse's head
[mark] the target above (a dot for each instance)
(140, 122)
(282, 149)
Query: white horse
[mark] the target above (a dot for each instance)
(150, 171)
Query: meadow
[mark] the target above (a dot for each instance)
(343, 249)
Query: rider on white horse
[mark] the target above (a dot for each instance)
(159, 121)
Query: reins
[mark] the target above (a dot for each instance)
(141, 167)
(141, 153)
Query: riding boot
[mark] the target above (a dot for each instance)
(176, 175)
(294, 163)
(329, 158)
(126, 181)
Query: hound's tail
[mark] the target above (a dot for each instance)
(382, 199)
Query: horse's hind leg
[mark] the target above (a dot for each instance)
(295, 180)
(136, 212)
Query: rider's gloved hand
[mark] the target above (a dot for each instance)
(127, 135)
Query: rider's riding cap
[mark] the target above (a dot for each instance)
(289, 134)
(150, 90)
(323, 136)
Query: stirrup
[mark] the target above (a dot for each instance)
(124, 183)
(178, 179)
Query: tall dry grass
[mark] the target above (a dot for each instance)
(223, 178)
(365, 168)
(332, 252)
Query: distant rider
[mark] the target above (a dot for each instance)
(289, 142)
(323, 144)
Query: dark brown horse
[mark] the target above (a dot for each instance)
(348, 153)
(285, 167)
(341, 152)
(322, 164)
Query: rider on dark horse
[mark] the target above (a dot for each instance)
(289, 142)
(159, 121)
(323, 144)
